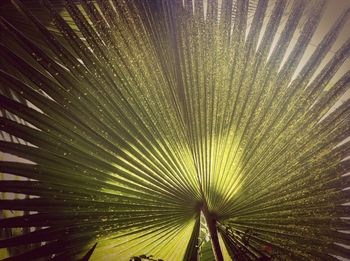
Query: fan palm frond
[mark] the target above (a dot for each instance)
(173, 130)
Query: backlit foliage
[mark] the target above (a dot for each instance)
(134, 114)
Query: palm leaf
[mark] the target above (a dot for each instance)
(137, 116)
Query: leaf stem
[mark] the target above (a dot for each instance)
(210, 218)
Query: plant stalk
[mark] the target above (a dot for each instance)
(211, 223)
